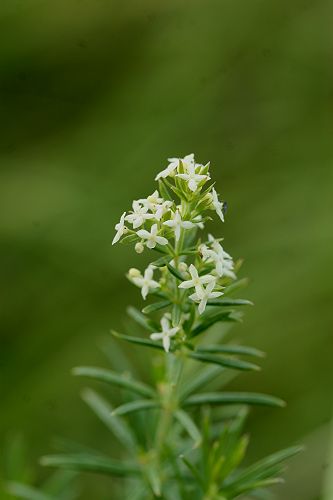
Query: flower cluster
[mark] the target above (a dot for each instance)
(192, 273)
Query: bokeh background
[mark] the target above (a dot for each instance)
(94, 96)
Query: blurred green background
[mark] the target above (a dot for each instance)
(94, 96)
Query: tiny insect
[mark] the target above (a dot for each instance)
(224, 207)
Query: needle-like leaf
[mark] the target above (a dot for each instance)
(137, 340)
(219, 398)
(235, 364)
(133, 406)
(110, 377)
(98, 463)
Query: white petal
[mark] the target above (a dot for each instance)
(156, 336)
(166, 343)
(161, 241)
(207, 278)
(192, 185)
(143, 234)
(186, 284)
(151, 243)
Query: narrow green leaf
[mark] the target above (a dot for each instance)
(141, 319)
(163, 190)
(86, 462)
(188, 424)
(154, 481)
(137, 340)
(117, 426)
(200, 379)
(235, 364)
(219, 398)
(176, 314)
(229, 302)
(195, 473)
(211, 320)
(175, 272)
(162, 261)
(252, 486)
(27, 492)
(255, 471)
(133, 406)
(127, 240)
(110, 377)
(157, 306)
(231, 349)
(236, 285)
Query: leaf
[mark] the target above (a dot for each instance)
(141, 319)
(27, 492)
(233, 363)
(114, 378)
(127, 240)
(163, 190)
(92, 463)
(117, 426)
(236, 285)
(229, 302)
(176, 314)
(157, 306)
(137, 340)
(235, 398)
(231, 349)
(200, 379)
(175, 272)
(133, 406)
(210, 321)
(162, 261)
(188, 424)
(257, 470)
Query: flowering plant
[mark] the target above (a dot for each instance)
(180, 442)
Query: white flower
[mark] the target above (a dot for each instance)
(152, 201)
(224, 264)
(217, 204)
(152, 237)
(145, 282)
(198, 221)
(204, 294)
(165, 334)
(173, 164)
(120, 228)
(139, 215)
(162, 209)
(192, 178)
(196, 281)
(176, 223)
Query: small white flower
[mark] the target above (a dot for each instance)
(192, 178)
(120, 228)
(162, 209)
(152, 201)
(196, 281)
(173, 164)
(152, 237)
(224, 265)
(139, 215)
(198, 221)
(145, 282)
(217, 204)
(165, 334)
(204, 294)
(177, 223)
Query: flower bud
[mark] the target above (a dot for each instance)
(182, 267)
(134, 273)
(139, 248)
